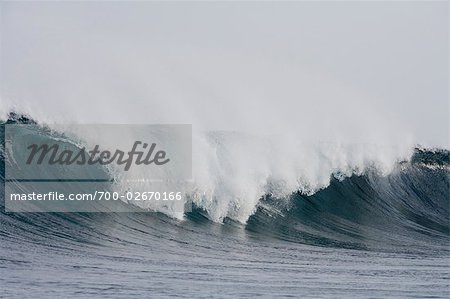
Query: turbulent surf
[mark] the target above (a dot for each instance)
(359, 219)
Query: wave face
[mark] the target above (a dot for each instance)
(406, 210)
(360, 222)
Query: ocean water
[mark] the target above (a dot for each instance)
(364, 234)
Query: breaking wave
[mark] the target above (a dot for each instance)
(331, 195)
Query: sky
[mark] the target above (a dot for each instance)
(349, 71)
